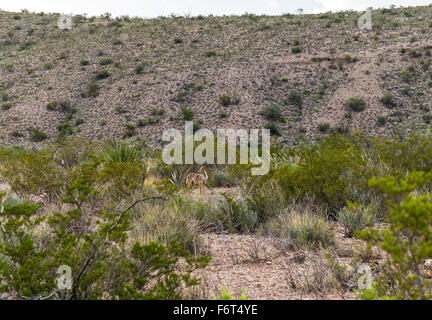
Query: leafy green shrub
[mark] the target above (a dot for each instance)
(272, 113)
(388, 100)
(139, 69)
(36, 135)
(398, 156)
(356, 104)
(222, 114)
(407, 238)
(332, 171)
(187, 114)
(94, 243)
(274, 129)
(296, 50)
(225, 100)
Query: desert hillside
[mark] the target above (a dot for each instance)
(295, 74)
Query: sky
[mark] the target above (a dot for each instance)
(155, 8)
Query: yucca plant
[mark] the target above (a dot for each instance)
(119, 151)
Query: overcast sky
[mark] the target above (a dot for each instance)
(154, 8)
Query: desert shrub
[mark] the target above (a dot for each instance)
(236, 215)
(34, 173)
(296, 98)
(272, 113)
(274, 129)
(427, 118)
(62, 105)
(36, 135)
(84, 62)
(221, 179)
(92, 90)
(100, 75)
(178, 40)
(296, 50)
(407, 238)
(222, 114)
(210, 54)
(396, 156)
(323, 127)
(166, 222)
(122, 152)
(266, 200)
(101, 265)
(124, 170)
(105, 61)
(305, 231)
(388, 100)
(225, 100)
(355, 217)
(381, 120)
(356, 104)
(4, 96)
(332, 171)
(139, 69)
(187, 114)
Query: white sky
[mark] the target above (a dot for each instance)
(154, 8)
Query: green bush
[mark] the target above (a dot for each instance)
(296, 50)
(296, 98)
(407, 238)
(333, 171)
(355, 217)
(356, 104)
(93, 245)
(274, 129)
(36, 135)
(388, 100)
(272, 113)
(187, 114)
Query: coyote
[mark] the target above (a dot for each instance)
(199, 178)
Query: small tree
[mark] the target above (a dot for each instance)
(407, 239)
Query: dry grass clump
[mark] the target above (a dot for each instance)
(302, 230)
